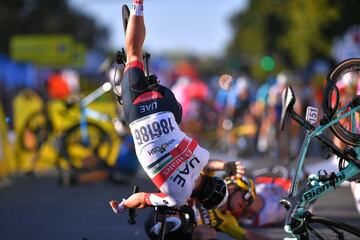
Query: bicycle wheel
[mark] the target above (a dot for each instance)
(343, 86)
(323, 228)
(34, 132)
(90, 154)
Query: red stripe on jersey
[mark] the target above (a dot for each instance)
(181, 147)
(147, 199)
(166, 172)
(136, 64)
(147, 96)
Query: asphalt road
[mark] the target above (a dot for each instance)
(39, 208)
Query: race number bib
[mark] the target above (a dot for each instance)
(153, 127)
(311, 114)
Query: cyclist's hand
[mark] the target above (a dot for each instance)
(116, 206)
(234, 169)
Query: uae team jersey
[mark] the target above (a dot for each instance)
(170, 158)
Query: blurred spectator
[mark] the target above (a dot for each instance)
(57, 86)
(238, 118)
(71, 78)
(225, 81)
(238, 100)
(198, 109)
(180, 91)
(185, 68)
(275, 145)
(63, 84)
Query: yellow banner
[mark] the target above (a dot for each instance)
(53, 50)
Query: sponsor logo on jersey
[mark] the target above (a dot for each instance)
(179, 178)
(162, 148)
(148, 107)
(165, 166)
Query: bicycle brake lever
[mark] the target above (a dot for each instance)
(120, 56)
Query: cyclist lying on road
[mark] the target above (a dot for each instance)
(171, 159)
(266, 210)
(261, 207)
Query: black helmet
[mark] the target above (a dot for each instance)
(214, 192)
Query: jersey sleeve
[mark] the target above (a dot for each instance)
(226, 223)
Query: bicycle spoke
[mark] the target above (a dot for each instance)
(320, 228)
(342, 88)
(89, 153)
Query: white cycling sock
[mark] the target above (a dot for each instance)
(121, 208)
(137, 8)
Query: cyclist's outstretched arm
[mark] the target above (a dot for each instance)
(142, 200)
(236, 169)
(135, 32)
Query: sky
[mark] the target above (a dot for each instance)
(196, 26)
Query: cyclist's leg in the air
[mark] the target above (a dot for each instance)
(135, 32)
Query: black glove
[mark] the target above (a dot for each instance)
(230, 168)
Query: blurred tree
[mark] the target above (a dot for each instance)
(50, 17)
(292, 32)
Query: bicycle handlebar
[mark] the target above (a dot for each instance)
(132, 213)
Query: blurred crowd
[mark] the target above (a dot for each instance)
(240, 116)
(233, 114)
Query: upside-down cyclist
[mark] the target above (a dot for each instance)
(171, 159)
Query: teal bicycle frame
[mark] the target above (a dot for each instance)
(298, 201)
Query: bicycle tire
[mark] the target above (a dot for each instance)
(341, 131)
(98, 148)
(38, 126)
(275, 171)
(324, 228)
(125, 16)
